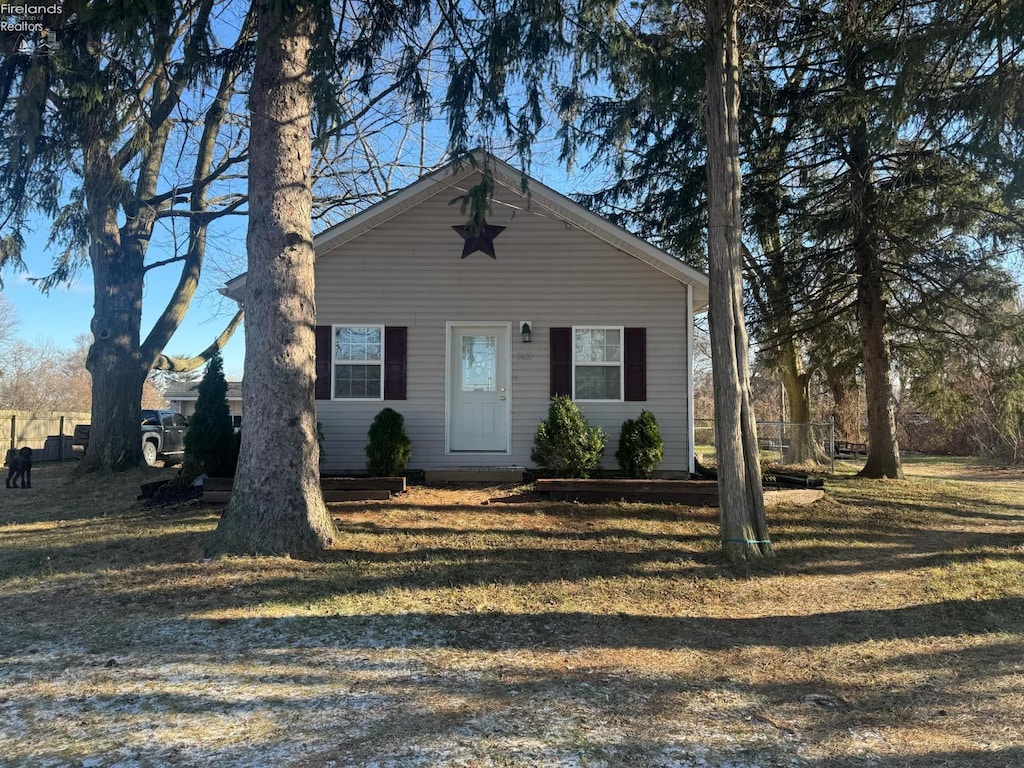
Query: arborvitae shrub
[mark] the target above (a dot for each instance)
(640, 446)
(389, 448)
(210, 443)
(565, 443)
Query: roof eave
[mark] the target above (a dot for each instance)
(555, 202)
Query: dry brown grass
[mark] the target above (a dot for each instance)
(446, 631)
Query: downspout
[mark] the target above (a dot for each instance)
(691, 468)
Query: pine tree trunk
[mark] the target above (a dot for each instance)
(883, 449)
(741, 500)
(114, 361)
(845, 411)
(277, 506)
(797, 383)
(777, 307)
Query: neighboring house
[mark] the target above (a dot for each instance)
(408, 318)
(182, 398)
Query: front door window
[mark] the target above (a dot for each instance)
(479, 362)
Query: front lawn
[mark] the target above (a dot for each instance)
(445, 631)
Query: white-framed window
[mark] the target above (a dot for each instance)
(359, 362)
(597, 370)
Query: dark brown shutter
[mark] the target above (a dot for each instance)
(395, 348)
(324, 360)
(636, 364)
(561, 361)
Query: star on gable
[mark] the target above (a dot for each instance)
(479, 236)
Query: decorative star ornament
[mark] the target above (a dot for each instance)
(479, 236)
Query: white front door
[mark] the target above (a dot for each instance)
(478, 413)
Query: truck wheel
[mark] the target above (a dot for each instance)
(149, 452)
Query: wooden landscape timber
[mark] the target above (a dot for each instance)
(393, 484)
(217, 490)
(696, 493)
(693, 493)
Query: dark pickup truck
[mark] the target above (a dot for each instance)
(163, 435)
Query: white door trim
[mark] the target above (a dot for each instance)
(449, 324)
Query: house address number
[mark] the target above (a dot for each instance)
(524, 355)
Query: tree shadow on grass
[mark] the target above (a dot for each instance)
(107, 554)
(499, 631)
(956, 505)
(558, 509)
(333, 674)
(450, 558)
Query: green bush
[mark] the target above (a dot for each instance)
(566, 444)
(389, 448)
(210, 443)
(640, 446)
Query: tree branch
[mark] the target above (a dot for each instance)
(163, 263)
(183, 364)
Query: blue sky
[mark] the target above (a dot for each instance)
(67, 311)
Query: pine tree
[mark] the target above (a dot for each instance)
(106, 108)
(210, 444)
(276, 505)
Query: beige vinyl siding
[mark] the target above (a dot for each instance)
(408, 272)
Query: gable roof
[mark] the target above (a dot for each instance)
(542, 197)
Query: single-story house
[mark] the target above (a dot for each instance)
(469, 336)
(182, 397)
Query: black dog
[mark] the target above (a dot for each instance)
(20, 463)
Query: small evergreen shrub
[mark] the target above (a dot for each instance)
(640, 446)
(389, 448)
(565, 443)
(210, 443)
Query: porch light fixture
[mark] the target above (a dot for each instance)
(527, 333)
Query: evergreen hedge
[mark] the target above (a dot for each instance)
(565, 443)
(640, 446)
(211, 445)
(388, 448)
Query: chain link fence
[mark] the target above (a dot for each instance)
(781, 442)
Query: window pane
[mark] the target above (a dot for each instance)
(584, 345)
(352, 343)
(355, 381)
(597, 382)
(479, 360)
(613, 346)
(598, 345)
